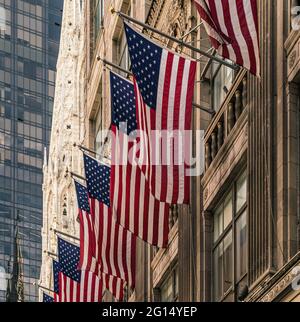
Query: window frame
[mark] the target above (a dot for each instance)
(236, 215)
(173, 274)
(97, 11)
(214, 74)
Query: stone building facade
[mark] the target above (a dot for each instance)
(59, 198)
(239, 239)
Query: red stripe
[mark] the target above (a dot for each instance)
(156, 229)
(247, 35)
(214, 14)
(188, 125)
(166, 226)
(164, 125)
(255, 14)
(230, 28)
(91, 241)
(176, 123)
(133, 262)
(128, 197)
(125, 253)
(107, 235)
(85, 288)
(93, 281)
(82, 242)
(137, 201)
(146, 213)
(115, 246)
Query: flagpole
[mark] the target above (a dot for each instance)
(77, 176)
(43, 287)
(64, 234)
(179, 41)
(50, 253)
(106, 62)
(83, 148)
(192, 30)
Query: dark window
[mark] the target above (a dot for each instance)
(169, 287)
(230, 243)
(98, 7)
(54, 27)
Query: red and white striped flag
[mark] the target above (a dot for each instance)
(115, 250)
(232, 26)
(164, 88)
(115, 286)
(75, 285)
(135, 208)
(87, 245)
(88, 290)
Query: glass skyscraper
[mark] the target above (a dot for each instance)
(29, 43)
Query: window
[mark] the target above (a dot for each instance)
(230, 243)
(98, 9)
(122, 59)
(222, 80)
(123, 54)
(169, 288)
(99, 125)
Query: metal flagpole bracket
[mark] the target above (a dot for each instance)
(105, 62)
(179, 41)
(84, 149)
(74, 175)
(43, 287)
(50, 253)
(65, 234)
(204, 109)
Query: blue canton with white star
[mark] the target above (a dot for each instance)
(56, 271)
(146, 60)
(47, 298)
(82, 197)
(123, 104)
(69, 255)
(98, 180)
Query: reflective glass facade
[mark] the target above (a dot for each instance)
(29, 43)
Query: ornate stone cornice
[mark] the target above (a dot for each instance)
(155, 11)
(277, 284)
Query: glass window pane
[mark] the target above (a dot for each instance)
(218, 224)
(166, 290)
(222, 83)
(227, 211)
(241, 246)
(228, 267)
(241, 194)
(218, 272)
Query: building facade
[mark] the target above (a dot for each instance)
(60, 203)
(239, 239)
(29, 39)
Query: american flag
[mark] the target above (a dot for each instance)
(115, 246)
(87, 234)
(56, 272)
(135, 207)
(47, 298)
(233, 30)
(76, 285)
(87, 245)
(164, 88)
